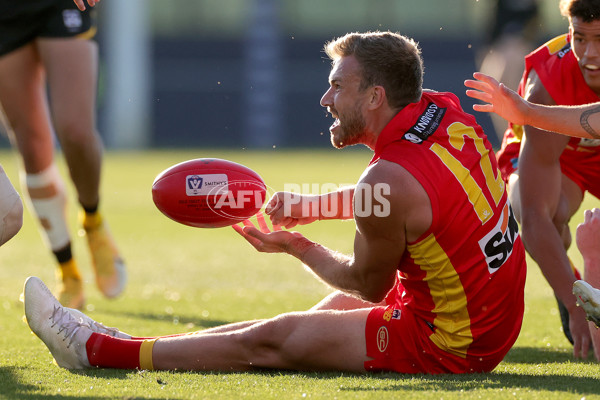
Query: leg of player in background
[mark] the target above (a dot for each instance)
(23, 98)
(588, 242)
(72, 68)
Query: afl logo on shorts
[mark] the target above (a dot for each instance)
(72, 19)
(383, 339)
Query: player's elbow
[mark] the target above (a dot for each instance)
(12, 220)
(373, 289)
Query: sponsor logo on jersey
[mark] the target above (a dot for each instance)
(201, 185)
(564, 51)
(383, 339)
(497, 244)
(72, 19)
(426, 125)
(387, 315)
(396, 314)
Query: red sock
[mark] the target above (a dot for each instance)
(110, 352)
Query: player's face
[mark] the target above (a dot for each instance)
(344, 101)
(585, 41)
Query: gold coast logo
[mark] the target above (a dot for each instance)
(382, 339)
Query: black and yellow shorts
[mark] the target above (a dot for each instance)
(22, 21)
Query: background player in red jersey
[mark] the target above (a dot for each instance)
(436, 280)
(47, 44)
(580, 121)
(547, 173)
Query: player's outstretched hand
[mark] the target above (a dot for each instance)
(263, 239)
(81, 4)
(289, 209)
(500, 99)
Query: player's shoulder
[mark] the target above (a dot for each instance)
(399, 182)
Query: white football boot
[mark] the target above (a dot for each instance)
(97, 326)
(588, 298)
(63, 334)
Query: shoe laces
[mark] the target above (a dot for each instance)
(67, 325)
(98, 327)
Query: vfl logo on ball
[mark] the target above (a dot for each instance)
(383, 339)
(194, 184)
(202, 185)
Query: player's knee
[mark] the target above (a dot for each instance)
(270, 345)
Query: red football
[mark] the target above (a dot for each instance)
(208, 192)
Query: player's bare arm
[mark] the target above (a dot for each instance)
(289, 209)
(579, 121)
(547, 201)
(379, 242)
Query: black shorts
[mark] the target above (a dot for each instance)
(21, 21)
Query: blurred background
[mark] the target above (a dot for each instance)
(250, 73)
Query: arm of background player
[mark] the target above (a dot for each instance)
(543, 210)
(580, 121)
(290, 209)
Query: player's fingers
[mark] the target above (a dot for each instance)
(292, 223)
(485, 78)
(273, 205)
(483, 107)
(262, 224)
(478, 85)
(479, 95)
(238, 228)
(79, 4)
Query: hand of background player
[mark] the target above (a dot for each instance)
(289, 209)
(81, 5)
(267, 241)
(501, 100)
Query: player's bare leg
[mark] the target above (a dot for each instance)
(73, 90)
(312, 340)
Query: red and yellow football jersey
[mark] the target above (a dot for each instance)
(558, 70)
(465, 276)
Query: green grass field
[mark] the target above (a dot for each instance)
(183, 279)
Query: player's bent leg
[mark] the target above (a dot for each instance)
(342, 301)
(312, 340)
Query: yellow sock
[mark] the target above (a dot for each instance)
(91, 221)
(69, 269)
(146, 355)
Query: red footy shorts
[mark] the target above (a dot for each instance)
(399, 342)
(581, 166)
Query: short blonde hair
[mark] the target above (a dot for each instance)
(387, 59)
